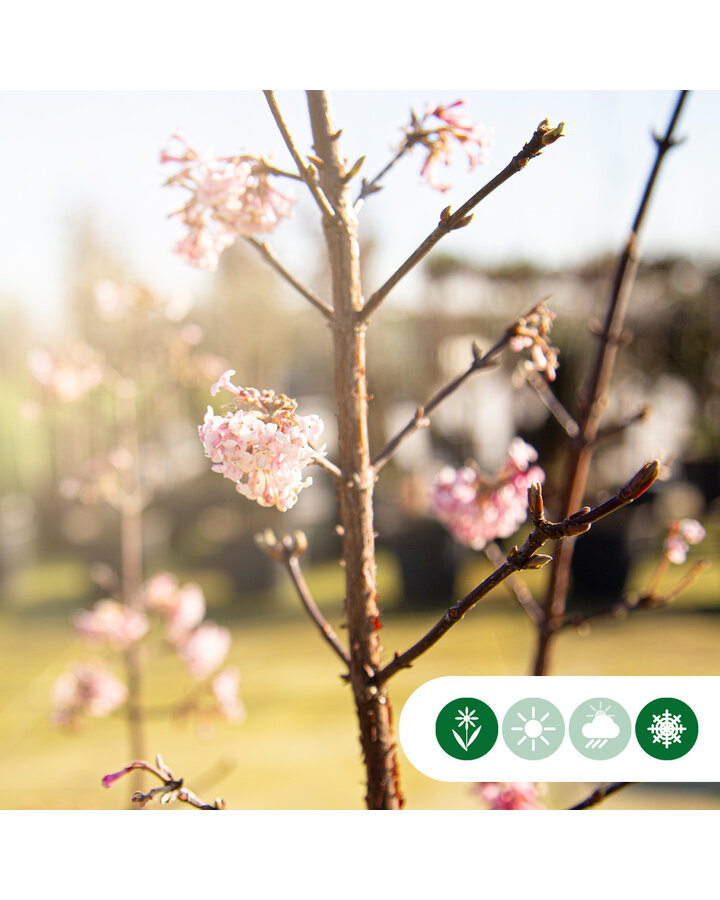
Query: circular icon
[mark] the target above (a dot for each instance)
(533, 728)
(666, 728)
(600, 728)
(466, 728)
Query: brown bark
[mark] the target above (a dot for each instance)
(356, 487)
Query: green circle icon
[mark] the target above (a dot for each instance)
(600, 728)
(666, 728)
(533, 728)
(466, 728)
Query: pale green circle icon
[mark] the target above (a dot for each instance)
(533, 728)
(600, 728)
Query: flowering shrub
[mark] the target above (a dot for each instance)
(262, 449)
(477, 508)
(229, 196)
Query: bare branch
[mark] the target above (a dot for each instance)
(543, 136)
(593, 400)
(421, 419)
(551, 402)
(600, 793)
(524, 558)
(372, 186)
(611, 430)
(327, 465)
(305, 173)
(287, 551)
(516, 586)
(275, 263)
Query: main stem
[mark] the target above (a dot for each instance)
(593, 401)
(131, 559)
(356, 487)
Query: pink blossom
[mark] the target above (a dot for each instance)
(186, 613)
(66, 376)
(182, 607)
(204, 649)
(225, 687)
(88, 689)
(112, 623)
(476, 508)
(230, 196)
(262, 449)
(437, 137)
(510, 794)
(682, 533)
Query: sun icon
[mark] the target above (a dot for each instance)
(533, 728)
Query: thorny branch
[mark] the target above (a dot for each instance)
(543, 136)
(525, 558)
(275, 263)
(481, 361)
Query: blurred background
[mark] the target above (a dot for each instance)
(85, 210)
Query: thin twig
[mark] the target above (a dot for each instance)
(372, 187)
(524, 558)
(304, 171)
(275, 263)
(421, 419)
(551, 402)
(600, 793)
(172, 788)
(330, 467)
(516, 586)
(292, 564)
(611, 430)
(543, 136)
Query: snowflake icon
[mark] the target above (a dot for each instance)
(667, 729)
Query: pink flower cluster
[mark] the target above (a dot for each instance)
(476, 508)
(68, 375)
(262, 449)
(682, 533)
(113, 623)
(510, 794)
(202, 647)
(88, 689)
(452, 124)
(229, 196)
(532, 331)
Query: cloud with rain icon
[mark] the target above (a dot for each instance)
(600, 730)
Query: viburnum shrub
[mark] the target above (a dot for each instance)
(263, 445)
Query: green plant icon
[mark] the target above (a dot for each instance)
(666, 728)
(466, 728)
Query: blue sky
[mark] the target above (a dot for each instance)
(96, 152)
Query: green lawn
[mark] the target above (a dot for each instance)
(298, 747)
